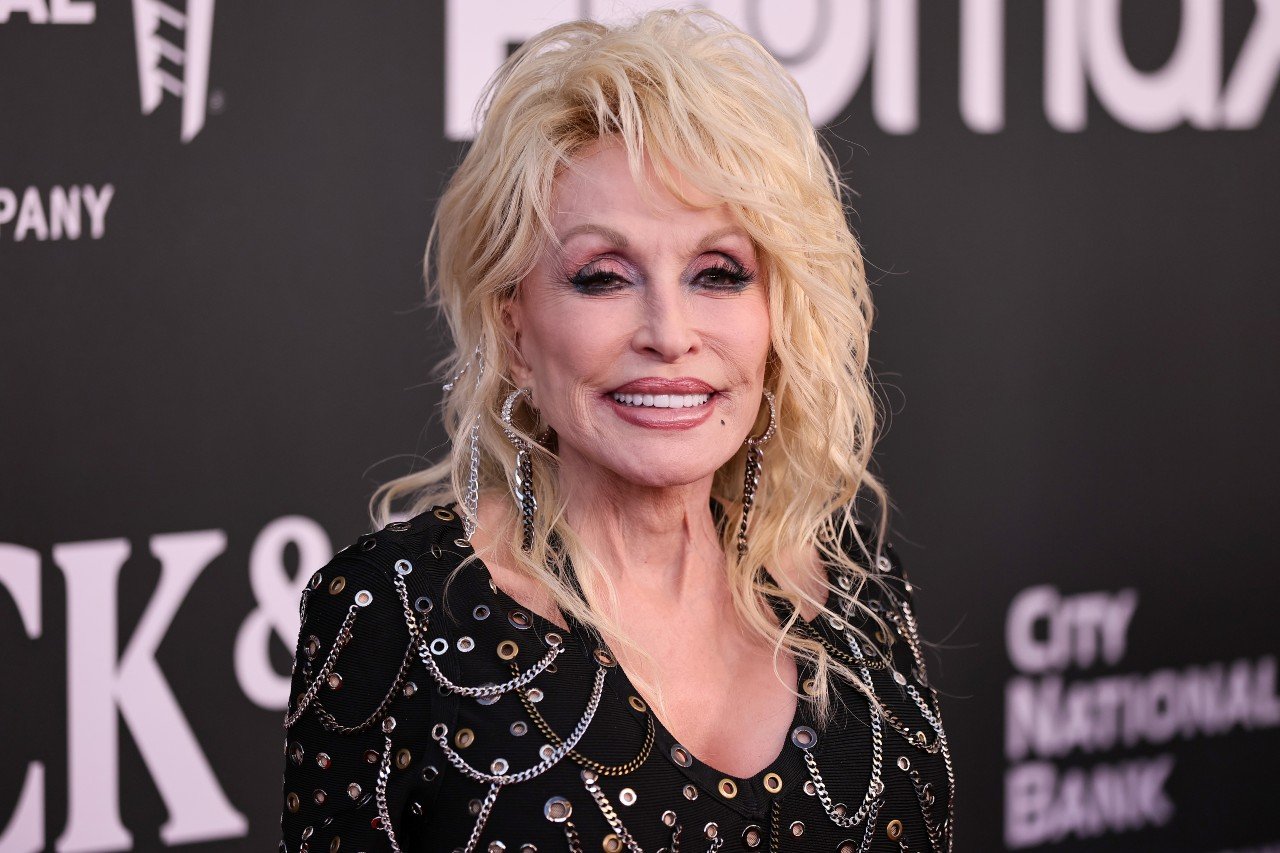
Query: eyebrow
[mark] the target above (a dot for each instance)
(620, 240)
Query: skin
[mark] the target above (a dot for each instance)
(639, 496)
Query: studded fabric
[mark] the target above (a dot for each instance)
(426, 718)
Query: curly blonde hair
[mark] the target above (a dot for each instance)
(706, 102)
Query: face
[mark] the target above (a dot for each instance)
(644, 337)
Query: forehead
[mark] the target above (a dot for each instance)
(598, 186)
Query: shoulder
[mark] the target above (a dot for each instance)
(877, 556)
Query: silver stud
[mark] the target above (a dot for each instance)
(547, 752)
(354, 790)
(519, 728)
(496, 847)
(422, 604)
(534, 694)
(883, 564)
(398, 526)
(388, 725)
(797, 828)
(473, 808)
(669, 817)
(403, 567)
(711, 830)
(690, 792)
(681, 756)
(410, 688)
(804, 737)
(904, 763)
(627, 796)
(810, 788)
(439, 646)
(498, 767)
(519, 619)
(553, 639)
(481, 612)
(528, 848)
(751, 837)
(899, 677)
(557, 809)
(466, 644)
(364, 598)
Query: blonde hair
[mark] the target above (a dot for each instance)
(706, 102)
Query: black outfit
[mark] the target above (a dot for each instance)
(390, 746)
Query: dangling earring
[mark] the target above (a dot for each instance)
(524, 467)
(471, 500)
(751, 480)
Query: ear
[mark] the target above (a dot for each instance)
(512, 326)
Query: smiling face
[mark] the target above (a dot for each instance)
(644, 338)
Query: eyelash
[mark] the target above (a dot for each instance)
(736, 276)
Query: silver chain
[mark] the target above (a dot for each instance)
(483, 817)
(344, 636)
(484, 690)
(384, 815)
(610, 814)
(471, 500)
(440, 733)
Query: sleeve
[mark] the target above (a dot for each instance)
(357, 747)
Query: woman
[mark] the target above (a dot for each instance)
(653, 620)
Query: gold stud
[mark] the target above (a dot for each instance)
(728, 789)
(508, 649)
(894, 830)
(444, 514)
(403, 759)
(464, 738)
(772, 783)
(337, 585)
(611, 843)
(637, 703)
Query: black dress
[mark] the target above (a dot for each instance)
(426, 721)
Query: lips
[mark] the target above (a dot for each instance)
(655, 385)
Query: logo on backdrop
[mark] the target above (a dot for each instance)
(176, 65)
(62, 213)
(829, 45)
(191, 84)
(1050, 718)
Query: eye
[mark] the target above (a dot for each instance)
(726, 275)
(594, 279)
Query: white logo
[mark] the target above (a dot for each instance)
(191, 58)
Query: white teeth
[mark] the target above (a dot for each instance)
(663, 401)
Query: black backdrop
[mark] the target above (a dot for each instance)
(211, 350)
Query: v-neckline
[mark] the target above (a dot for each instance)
(748, 795)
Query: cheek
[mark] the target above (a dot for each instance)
(569, 342)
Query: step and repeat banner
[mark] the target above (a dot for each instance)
(213, 347)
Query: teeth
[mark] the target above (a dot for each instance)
(663, 401)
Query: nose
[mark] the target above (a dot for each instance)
(666, 327)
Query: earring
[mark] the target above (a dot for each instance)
(524, 467)
(471, 500)
(751, 480)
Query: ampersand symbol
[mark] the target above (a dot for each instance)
(277, 595)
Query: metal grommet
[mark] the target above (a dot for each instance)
(711, 830)
(398, 526)
(430, 772)
(507, 649)
(308, 832)
(546, 752)
(669, 817)
(811, 686)
(553, 639)
(519, 619)
(519, 728)
(337, 585)
(369, 544)
(490, 698)
(354, 790)
(473, 807)
(557, 809)
(480, 612)
(690, 793)
(611, 843)
(312, 646)
(681, 756)
(534, 694)
(335, 844)
(604, 657)
(323, 760)
(772, 783)
(627, 796)
(410, 688)
(439, 646)
(499, 766)
(466, 644)
(751, 837)
(389, 725)
(403, 759)
(316, 579)
(461, 543)
(435, 551)
(797, 828)
(804, 737)
(847, 846)
(318, 796)
(438, 731)
(637, 703)
(728, 789)
(334, 681)
(464, 738)
(364, 598)
(293, 801)
(894, 829)
(904, 763)
(883, 564)
(403, 567)
(372, 756)
(443, 514)
(810, 788)
(899, 678)
(422, 604)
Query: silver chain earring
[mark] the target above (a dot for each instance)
(751, 479)
(524, 467)
(471, 500)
